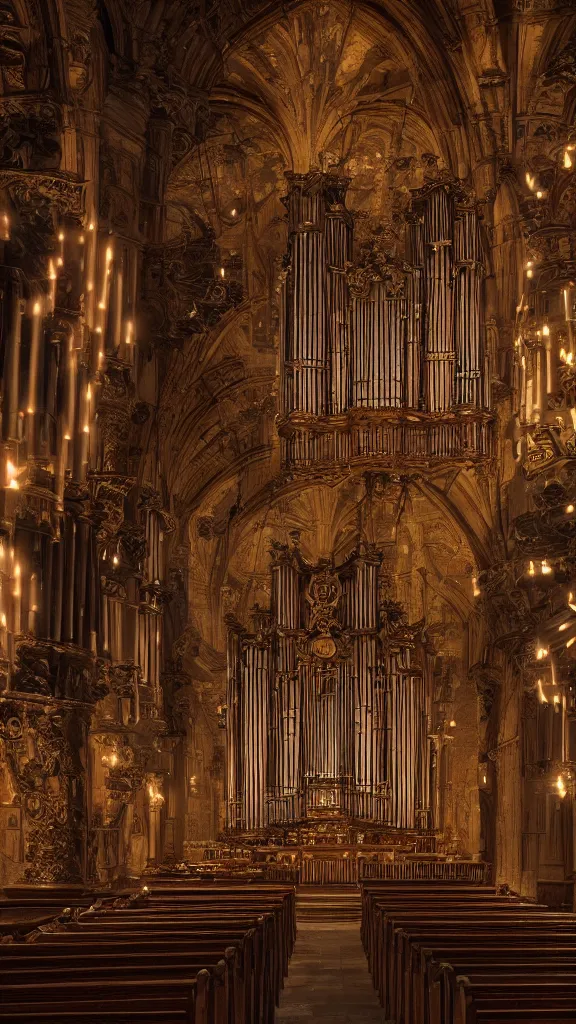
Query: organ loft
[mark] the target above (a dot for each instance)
(287, 480)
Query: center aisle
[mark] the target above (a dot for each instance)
(328, 977)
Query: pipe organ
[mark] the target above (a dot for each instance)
(381, 355)
(329, 702)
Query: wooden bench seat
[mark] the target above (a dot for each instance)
(199, 955)
(474, 957)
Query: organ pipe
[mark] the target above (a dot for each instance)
(324, 715)
(368, 330)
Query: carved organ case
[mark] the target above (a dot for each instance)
(382, 355)
(329, 702)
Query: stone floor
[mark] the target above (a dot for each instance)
(328, 978)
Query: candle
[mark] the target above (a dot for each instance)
(17, 595)
(33, 606)
(4, 227)
(12, 359)
(52, 275)
(118, 309)
(129, 340)
(33, 374)
(105, 287)
(90, 269)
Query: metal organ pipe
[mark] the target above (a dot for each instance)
(338, 255)
(439, 334)
(468, 275)
(307, 366)
(311, 723)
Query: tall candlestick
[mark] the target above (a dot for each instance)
(53, 278)
(89, 272)
(70, 402)
(33, 604)
(17, 595)
(33, 375)
(12, 360)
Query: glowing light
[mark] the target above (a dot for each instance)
(222, 272)
(109, 254)
(560, 787)
(567, 160)
(569, 509)
(67, 437)
(59, 262)
(233, 212)
(115, 560)
(529, 273)
(452, 724)
(563, 627)
(530, 181)
(541, 695)
(61, 236)
(570, 642)
(81, 239)
(541, 653)
(556, 699)
(546, 569)
(86, 428)
(531, 569)
(51, 270)
(539, 195)
(546, 330)
(91, 226)
(129, 330)
(484, 780)
(563, 355)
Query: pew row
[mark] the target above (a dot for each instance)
(199, 954)
(467, 955)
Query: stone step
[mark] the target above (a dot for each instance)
(328, 903)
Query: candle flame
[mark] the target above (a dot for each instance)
(567, 160)
(541, 695)
(61, 236)
(545, 330)
(546, 569)
(560, 787)
(569, 509)
(37, 309)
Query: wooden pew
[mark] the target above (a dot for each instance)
(201, 956)
(432, 956)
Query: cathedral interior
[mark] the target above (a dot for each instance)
(287, 467)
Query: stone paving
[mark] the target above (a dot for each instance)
(328, 979)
